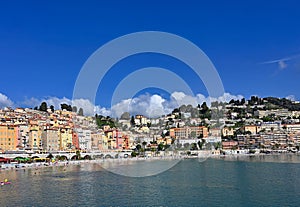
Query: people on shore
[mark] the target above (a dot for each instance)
(5, 182)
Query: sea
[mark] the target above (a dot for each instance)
(264, 180)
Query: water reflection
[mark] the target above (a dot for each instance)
(278, 158)
(189, 183)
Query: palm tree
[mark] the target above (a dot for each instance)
(78, 155)
(138, 148)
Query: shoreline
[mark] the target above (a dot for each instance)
(229, 157)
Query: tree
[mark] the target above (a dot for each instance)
(66, 107)
(189, 108)
(78, 155)
(201, 143)
(173, 140)
(69, 108)
(182, 108)
(132, 121)
(179, 145)
(138, 147)
(204, 107)
(160, 147)
(148, 124)
(284, 127)
(144, 143)
(52, 108)
(195, 113)
(217, 145)
(125, 116)
(186, 145)
(194, 146)
(193, 134)
(243, 101)
(102, 121)
(43, 106)
(74, 109)
(80, 112)
(133, 154)
(176, 110)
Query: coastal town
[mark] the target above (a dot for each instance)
(257, 125)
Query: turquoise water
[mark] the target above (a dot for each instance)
(258, 181)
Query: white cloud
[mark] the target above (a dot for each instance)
(32, 102)
(291, 97)
(148, 105)
(182, 98)
(282, 65)
(5, 101)
(119, 108)
(88, 107)
(227, 97)
(155, 105)
(282, 62)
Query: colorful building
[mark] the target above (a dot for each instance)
(51, 139)
(8, 137)
(75, 141)
(65, 138)
(35, 137)
(189, 132)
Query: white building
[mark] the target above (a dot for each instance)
(84, 138)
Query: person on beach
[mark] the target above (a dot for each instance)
(4, 182)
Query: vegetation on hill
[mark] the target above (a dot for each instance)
(104, 120)
(283, 103)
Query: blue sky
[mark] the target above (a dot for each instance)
(43, 45)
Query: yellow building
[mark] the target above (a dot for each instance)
(111, 141)
(227, 131)
(96, 140)
(250, 128)
(164, 141)
(8, 137)
(65, 136)
(35, 137)
(104, 143)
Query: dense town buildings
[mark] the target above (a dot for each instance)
(245, 125)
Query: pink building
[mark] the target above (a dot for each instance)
(229, 145)
(119, 139)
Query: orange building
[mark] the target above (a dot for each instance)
(75, 141)
(8, 138)
(125, 142)
(189, 132)
(229, 145)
